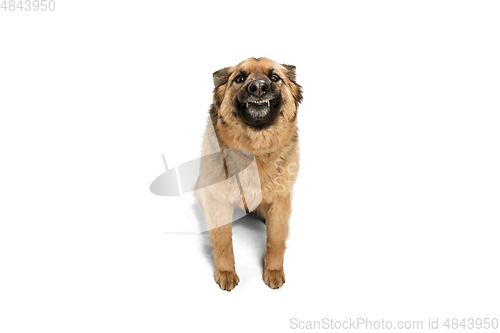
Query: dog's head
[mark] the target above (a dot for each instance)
(258, 93)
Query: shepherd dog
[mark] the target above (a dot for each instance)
(252, 121)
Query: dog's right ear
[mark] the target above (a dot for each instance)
(221, 77)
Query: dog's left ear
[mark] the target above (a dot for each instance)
(290, 72)
(296, 89)
(221, 77)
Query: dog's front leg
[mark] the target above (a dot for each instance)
(219, 216)
(277, 215)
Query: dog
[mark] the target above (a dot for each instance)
(253, 122)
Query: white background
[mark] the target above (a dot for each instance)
(396, 208)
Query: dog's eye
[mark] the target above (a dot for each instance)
(275, 78)
(239, 79)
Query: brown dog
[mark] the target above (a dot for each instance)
(254, 109)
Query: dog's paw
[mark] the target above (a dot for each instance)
(274, 278)
(226, 280)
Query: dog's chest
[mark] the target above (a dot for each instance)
(277, 176)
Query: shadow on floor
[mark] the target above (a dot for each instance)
(248, 228)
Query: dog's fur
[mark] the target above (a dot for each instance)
(273, 140)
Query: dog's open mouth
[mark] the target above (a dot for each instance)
(259, 109)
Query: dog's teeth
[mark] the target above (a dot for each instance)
(260, 102)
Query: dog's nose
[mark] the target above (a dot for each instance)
(258, 88)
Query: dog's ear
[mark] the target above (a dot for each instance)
(290, 72)
(221, 77)
(296, 89)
